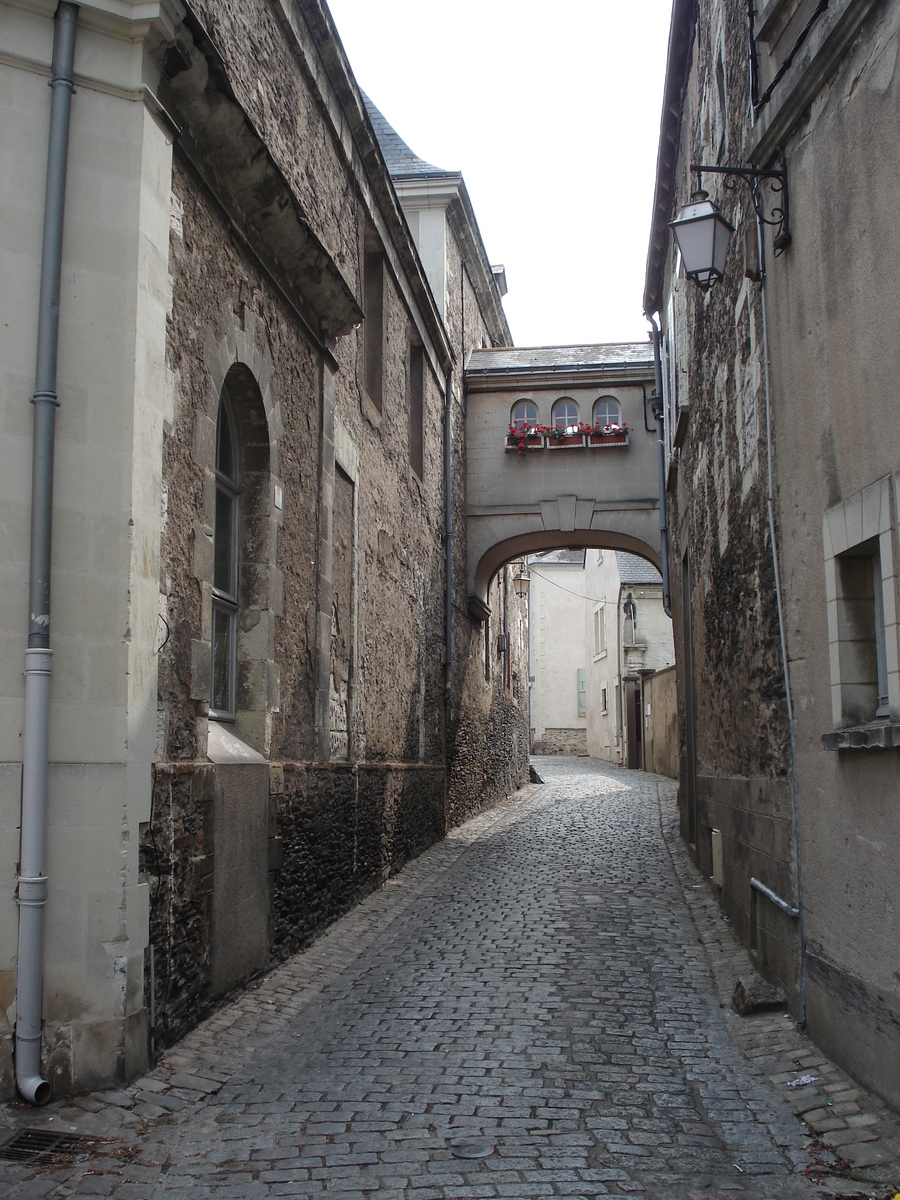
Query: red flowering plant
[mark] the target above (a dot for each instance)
(524, 433)
(609, 429)
(559, 433)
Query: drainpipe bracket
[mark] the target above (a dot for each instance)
(32, 891)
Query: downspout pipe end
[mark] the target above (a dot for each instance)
(34, 1089)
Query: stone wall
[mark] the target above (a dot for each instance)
(561, 741)
(733, 741)
(342, 753)
(829, 105)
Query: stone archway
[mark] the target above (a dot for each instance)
(603, 496)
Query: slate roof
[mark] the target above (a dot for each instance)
(554, 557)
(633, 569)
(505, 358)
(402, 162)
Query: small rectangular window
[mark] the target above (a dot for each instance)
(582, 691)
(416, 408)
(604, 702)
(861, 621)
(374, 326)
(860, 584)
(599, 630)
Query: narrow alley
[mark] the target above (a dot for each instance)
(535, 1007)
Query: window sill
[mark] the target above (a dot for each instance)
(226, 745)
(875, 735)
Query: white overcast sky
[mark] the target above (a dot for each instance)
(551, 112)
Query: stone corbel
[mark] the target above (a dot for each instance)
(237, 164)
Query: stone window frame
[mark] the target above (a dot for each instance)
(243, 343)
(864, 520)
(416, 397)
(226, 592)
(374, 326)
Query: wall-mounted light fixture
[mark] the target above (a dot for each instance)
(703, 234)
(521, 579)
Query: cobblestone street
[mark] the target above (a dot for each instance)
(532, 1008)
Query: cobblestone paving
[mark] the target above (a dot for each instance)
(533, 1008)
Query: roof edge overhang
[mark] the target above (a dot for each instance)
(575, 375)
(357, 126)
(681, 38)
(447, 190)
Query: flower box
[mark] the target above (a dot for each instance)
(607, 439)
(608, 435)
(516, 444)
(566, 442)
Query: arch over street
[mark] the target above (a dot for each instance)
(575, 490)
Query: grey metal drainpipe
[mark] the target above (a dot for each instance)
(448, 539)
(657, 400)
(32, 889)
(448, 587)
(782, 636)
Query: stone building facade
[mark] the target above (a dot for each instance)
(259, 709)
(782, 472)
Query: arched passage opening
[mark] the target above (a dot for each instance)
(534, 541)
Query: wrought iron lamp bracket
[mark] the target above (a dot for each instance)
(754, 177)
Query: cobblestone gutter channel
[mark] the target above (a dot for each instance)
(537, 1006)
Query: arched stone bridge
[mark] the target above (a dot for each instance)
(605, 497)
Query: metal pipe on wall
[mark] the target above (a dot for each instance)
(32, 881)
(448, 538)
(661, 468)
(770, 505)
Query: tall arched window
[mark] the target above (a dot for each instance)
(524, 414)
(565, 413)
(607, 411)
(225, 564)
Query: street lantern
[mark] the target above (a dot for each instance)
(703, 236)
(703, 233)
(521, 579)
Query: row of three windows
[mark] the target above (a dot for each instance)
(565, 415)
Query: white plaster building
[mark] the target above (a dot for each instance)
(556, 599)
(627, 637)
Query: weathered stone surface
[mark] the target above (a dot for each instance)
(753, 995)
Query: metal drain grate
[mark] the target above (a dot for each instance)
(46, 1145)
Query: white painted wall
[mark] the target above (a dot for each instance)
(556, 618)
(107, 504)
(653, 649)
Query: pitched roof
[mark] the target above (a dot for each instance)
(633, 569)
(598, 354)
(557, 557)
(402, 162)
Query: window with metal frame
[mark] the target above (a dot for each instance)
(524, 413)
(225, 565)
(565, 414)
(607, 411)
